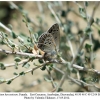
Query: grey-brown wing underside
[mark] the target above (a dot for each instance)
(48, 40)
(45, 42)
(54, 30)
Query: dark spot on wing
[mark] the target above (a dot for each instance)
(49, 42)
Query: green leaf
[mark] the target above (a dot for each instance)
(9, 82)
(30, 29)
(16, 65)
(82, 12)
(99, 32)
(60, 89)
(88, 30)
(40, 61)
(26, 65)
(43, 68)
(32, 72)
(97, 20)
(46, 79)
(28, 39)
(13, 45)
(50, 66)
(80, 53)
(15, 73)
(2, 67)
(88, 47)
(63, 13)
(1, 64)
(86, 3)
(13, 35)
(17, 59)
(20, 7)
(22, 73)
(32, 58)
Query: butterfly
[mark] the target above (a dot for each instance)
(49, 40)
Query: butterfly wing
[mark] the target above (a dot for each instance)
(45, 42)
(54, 30)
(48, 40)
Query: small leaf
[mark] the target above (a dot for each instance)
(88, 30)
(28, 39)
(13, 45)
(50, 66)
(32, 72)
(13, 35)
(88, 47)
(9, 82)
(15, 73)
(99, 32)
(63, 13)
(81, 53)
(16, 65)
(86, 3)
(40, 61)
(46, 79)
(22, 73)
(32, 58)
(20, 7)
(97, 20)
(60, 89)
(17, 59)
(2, 67)
(26, 65)
(43, 68)
(1, 64)
(82, 12)
(30, 29)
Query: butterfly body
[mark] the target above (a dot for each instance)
(49, 41)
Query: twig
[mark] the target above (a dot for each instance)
(85, 11)
(12, 64)
(8, 30)
(71, 48)
(52, 11)
(90, 37)
(3, 26)
(30, 70)
(22, 54)
(17, 8)
(40, 6)
(82, 83)
(52, 81)
(94, 24)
